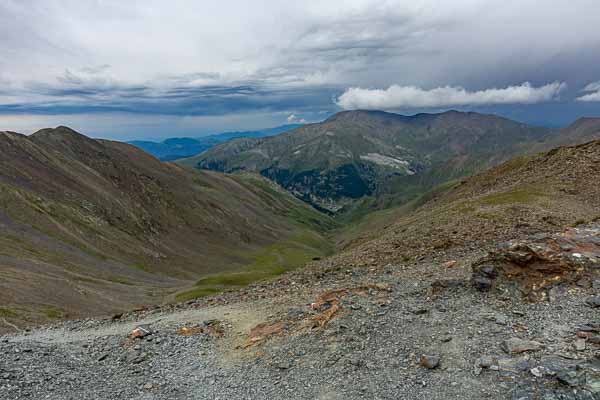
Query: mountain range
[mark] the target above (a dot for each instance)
(499, 269)
(92, 227)
(175, 148)
(377, 158)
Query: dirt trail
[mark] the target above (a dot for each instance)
(241, 316)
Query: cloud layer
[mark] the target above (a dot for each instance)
(190, 58)
(593, 92)
(410, 97)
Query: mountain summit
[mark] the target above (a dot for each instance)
(354, 154)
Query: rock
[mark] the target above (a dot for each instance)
(446, 339)
(567, 377)
(486, 361)
(140, 332)
(430, 361)
(593, 302)
(535, 266)
(516, 345)
(482, 283)
(537, 372)
(594, 339)
(450, 264)
(579, 344)
(284, 365)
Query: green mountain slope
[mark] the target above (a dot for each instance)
(93, 226)
(176, 148)
(358, 154)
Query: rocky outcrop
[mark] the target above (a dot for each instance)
(543, 265)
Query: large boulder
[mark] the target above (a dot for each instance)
(534, 266)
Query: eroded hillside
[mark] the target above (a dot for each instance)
(92, 226)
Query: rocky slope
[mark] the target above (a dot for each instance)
(89, 227)
(416, 330)
(535, 193)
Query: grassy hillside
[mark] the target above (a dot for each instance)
(92, 226)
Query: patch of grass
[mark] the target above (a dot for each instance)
(142, 267)
(86, 279)
(271, 261)
(436, 192)
(7, 313)
(196, 293)
(519, 196)
(52, 312)
(293, 209)
(117, 279)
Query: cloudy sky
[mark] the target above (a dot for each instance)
(154, 69)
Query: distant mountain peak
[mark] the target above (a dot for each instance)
(182, 147)
(361, 153)
(585, 122)
(59, 130)
(62, 134)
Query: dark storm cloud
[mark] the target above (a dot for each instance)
(184, 100)
(302, 58)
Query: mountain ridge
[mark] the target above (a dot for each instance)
(171, 149)
(96, 226)
(382, 154)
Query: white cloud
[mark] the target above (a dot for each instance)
(293, 119)
(590, 97)
(406, 97)
(593, 92)
(592, 87)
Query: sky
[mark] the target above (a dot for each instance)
(155, 69)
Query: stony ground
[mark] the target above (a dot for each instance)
(408, 331)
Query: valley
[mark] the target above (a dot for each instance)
(93, 227)
(485, 286)
(469, 275)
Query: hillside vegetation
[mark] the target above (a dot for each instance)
(91, 227)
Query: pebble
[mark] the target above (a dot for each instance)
(593, 302)
(579, 344)
(516, 345)
(430, 361)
